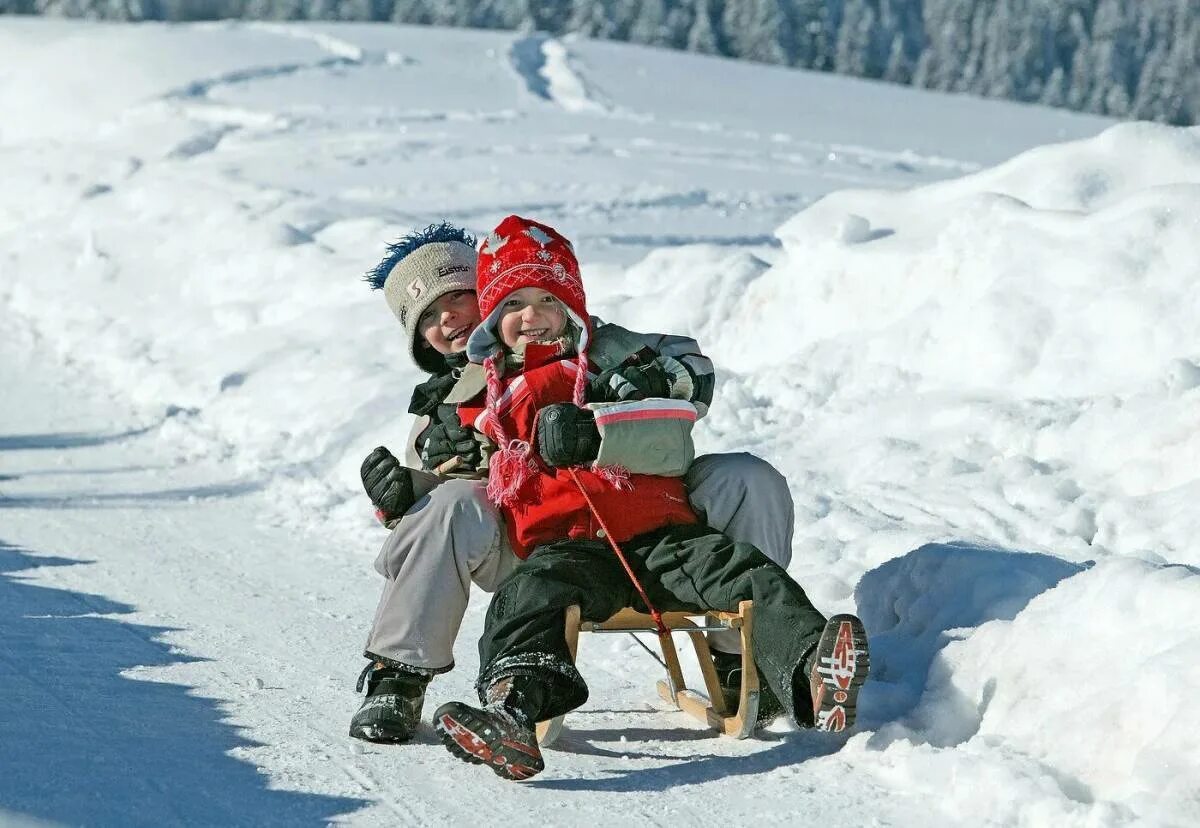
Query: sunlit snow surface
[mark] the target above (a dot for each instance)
(980, 375)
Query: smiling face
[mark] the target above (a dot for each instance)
(531, 315)
(447, 323)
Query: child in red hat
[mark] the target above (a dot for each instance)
(562, 516)
(447, 537)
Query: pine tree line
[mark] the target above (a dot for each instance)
(1126, 58)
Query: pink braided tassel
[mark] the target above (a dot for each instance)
(615, 476)
(578, 395)
(510, 471)
(512, 467)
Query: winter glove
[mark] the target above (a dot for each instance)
(448, 438)
(681, 384)
(630, 382)
(389, 485)
(566, 435)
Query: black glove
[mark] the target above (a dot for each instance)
(566, 435)
(630, 382)
(448, 438)
(388, 484)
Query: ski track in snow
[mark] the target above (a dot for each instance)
(342, 54)
(526, 59)
(336, 46)
(203, 87)
(549, 72)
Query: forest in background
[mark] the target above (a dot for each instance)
(1124, 58)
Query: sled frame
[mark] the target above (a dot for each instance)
(711, 708)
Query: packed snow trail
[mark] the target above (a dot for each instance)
(128, 576)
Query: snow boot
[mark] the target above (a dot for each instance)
(833, 672)
(500, 734)
(392, 708)
(729, 676)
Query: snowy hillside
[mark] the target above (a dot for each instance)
(965, 330)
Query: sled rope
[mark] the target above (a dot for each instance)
(663, 632)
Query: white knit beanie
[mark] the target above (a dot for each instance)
(417, 280)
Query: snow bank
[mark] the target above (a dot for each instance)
(1096, 679)
(917, 603)
(1067, 270)
(1084, 677)
(1040, 314)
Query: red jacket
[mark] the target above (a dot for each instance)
(551, 507)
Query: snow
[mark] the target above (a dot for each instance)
(964, 329)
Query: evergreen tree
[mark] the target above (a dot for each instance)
(703, 36)
(759, 30)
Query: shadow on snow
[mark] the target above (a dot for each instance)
(84, 745)
(66, 439)
(914, 605)
(114, 500)
(910, 606)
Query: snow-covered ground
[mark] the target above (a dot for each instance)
(965, 330)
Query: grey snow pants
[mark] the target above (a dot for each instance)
(454, 536)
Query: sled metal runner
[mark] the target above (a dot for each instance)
(711, 708)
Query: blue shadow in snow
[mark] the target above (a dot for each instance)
(81, 472)
(786, 750)
(83, 745)
(910, 604)
(66, 439)
(116, 500)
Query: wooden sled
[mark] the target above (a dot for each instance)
(710, 709)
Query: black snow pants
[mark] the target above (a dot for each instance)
(680, 567)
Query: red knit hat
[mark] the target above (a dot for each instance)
(521, 253)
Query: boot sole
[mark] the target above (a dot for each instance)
(842, 665)
(386, 720)
(379, 736)
(472, 739)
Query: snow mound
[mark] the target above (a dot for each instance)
(1067, 270)
(915, 604)
(1095, 678)
(1028, 330)
(666, 279)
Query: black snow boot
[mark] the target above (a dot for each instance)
(392, 708)
(729, 675)
(832, 674)
(500, 734)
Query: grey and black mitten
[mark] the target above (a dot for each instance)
(630, 382)
(446, 439)
(388, 483)
(567, 435)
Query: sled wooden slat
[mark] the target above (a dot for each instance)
(711, 708)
